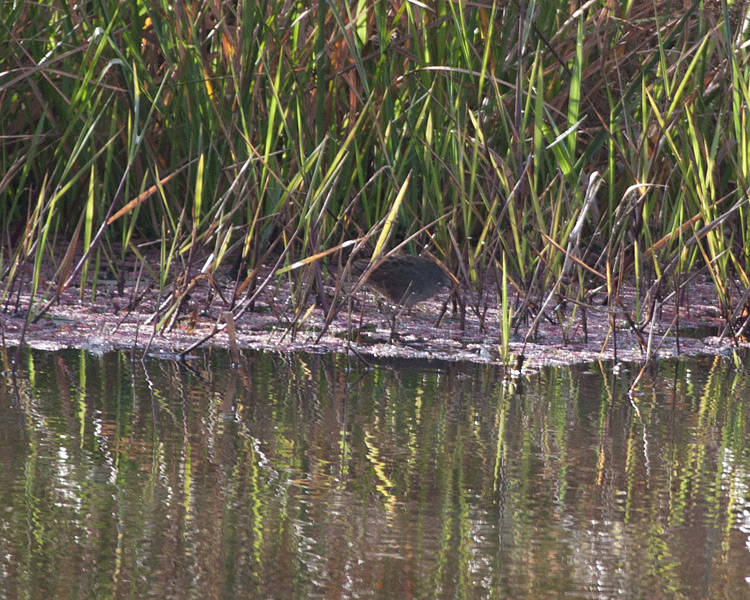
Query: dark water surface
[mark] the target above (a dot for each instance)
(305, 476)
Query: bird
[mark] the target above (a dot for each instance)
(404, 279)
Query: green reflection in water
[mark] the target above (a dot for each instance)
(309, 476)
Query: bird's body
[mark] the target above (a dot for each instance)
(404, 279)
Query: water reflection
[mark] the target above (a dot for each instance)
(316, 477)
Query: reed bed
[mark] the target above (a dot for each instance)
(540, 150)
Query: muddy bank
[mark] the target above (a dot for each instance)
(365, 328)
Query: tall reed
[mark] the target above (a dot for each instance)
(248, 131)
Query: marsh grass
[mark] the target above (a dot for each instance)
(274, 132)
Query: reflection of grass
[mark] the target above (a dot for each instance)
(278, 133)
(295, 468)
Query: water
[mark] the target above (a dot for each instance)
(302, 476)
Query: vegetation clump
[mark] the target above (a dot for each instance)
(547, 149)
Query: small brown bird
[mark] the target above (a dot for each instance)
(404, 279)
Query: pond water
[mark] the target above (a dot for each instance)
(304, 476)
